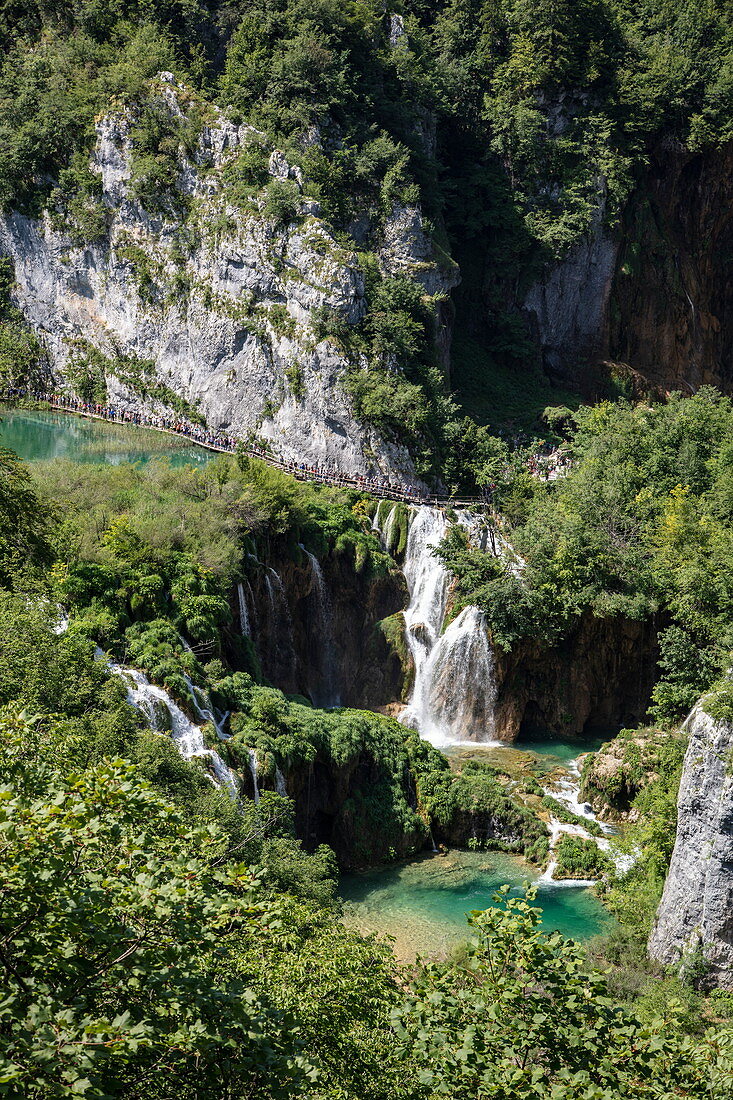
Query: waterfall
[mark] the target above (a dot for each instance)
(243, 613)
(280, 785)
(62, 623)
(567, 791)
(188, 738)
(206, 712)
(455, 689)
(388, 533)
(252, 754)
(458, 691)
(280, 651)
(325, 693)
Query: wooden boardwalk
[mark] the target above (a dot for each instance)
(300, 471)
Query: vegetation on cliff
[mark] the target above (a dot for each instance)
(640, 527)
(514, 128)
(204, 941)
(141, 959)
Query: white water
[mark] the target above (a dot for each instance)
(207, 712)
(567, 791)
(244, 625)
(326, 693)
(280, 785)
(454, 691)
(252, 754)
(187, 736)
(280, 648)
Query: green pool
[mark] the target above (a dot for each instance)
(423, 904)
(41, 436)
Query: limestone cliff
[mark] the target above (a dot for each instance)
(670, 316)
(651, 297)
(316, 625)
(218, 303)
(568, 307)
(696, 911)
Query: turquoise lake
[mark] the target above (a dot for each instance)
(423, 903)
(42, 436)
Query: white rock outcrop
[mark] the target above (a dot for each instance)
(695, 915)
(226, 303)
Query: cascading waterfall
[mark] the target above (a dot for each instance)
(388, 534)
(280, 784)
(458, 685)
(207, 711)
(243, 612)
(280, 650)
(325, 693)
(252, 754)
(455, 689)
(188, 738)
(567, 791)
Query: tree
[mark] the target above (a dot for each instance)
(23, 520)
(115, 933)
(520, 1015)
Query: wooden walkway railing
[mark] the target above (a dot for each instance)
(224, 444)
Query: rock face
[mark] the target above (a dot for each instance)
(652, 299)
(671, 317)
(696, 911)
(582, 685)
(224, 303)
(614, 775)
(567, 307)
(317, 628)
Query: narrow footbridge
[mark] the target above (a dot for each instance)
(204, 437)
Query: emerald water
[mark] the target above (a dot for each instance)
(38, 436)
(423, 904)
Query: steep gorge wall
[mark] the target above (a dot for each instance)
(671, 316)
(221, 304)
(597, 679)
(652, 296)
(321, 637)
(696, 911)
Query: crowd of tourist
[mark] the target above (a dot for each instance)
(547, 464)
(221, 441)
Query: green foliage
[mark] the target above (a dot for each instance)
(616, 774)
(115, 922)
(521, 1015)
(580, 858)
(75, 204)
(282, 202)
(136, 943)
(159, 138)
(51, 93)
(719, 704)
(474, 808)
(640, 524)
(24, 541)
(22, 357)
(688, 667)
